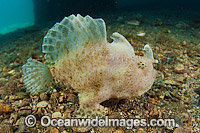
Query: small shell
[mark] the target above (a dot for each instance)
(56, 115)
(141, 34)
(42, 104)
(134, 22)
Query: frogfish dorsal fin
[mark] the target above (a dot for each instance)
(70, 33)
(121, 44)
(149, 52)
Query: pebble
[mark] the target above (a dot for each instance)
(24, 102)
(12, 72)
(61, 99)
(4, 108)
(119, 131)
(61, 107)
(184, 43)
(1, 88)
(141, 34)
(140, 130)
(185, 116)
(134, 22)
(24, 112)
(52, 130)
(154, 111)
(182, 130)
(56, 115)
(44, 97)
(21, 124)
(161, 96)
(179, 69)
(165, 30)
(82, 129)
(19, 95)
(4, 69)
(67, 113)
(6, 128)
(170, 81)
(42, 104)
(13, 117)
(72, 98)
(114, 115)
(2, 79)
(55, 95)
(26, 108)
(180, 79)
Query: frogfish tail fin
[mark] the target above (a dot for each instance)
(37, 77)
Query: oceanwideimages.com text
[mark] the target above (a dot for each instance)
(46, 121)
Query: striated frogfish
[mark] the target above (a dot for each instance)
(79, 56)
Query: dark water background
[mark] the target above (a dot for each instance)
(15, 13)
(84, 7)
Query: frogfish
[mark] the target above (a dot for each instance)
(79, 56)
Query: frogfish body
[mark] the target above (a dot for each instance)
(79, 56)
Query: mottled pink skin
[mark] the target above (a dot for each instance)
(101, 72)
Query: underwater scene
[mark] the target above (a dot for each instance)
(100, 66)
